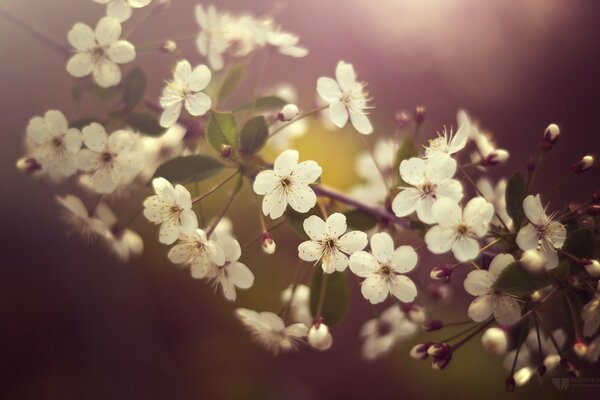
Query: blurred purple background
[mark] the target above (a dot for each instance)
(75, 323)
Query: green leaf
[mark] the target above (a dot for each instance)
(189, 169)
(361, 220)
(254, 135)
(516, 191)
(146, 123)
(106, 93)
(234, 77)
(514, 279)
(83, 122)
(335, 302)
(562, 270)
(134, 88)
(263, 103)
(406, 151)
(581, 244)
(222, 129)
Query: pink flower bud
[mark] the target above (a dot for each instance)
(268, 244)
(288, 113)
(28, 165)
(168, 47)
(550, 137)
(438, 349)
(592, 267)
(226, 151)
(402, 119)
(420, 114)
(584, 164)
(495, 341)
(497, 156)
(419, 351)
(441, 273)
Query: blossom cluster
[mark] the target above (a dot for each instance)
(518, 252)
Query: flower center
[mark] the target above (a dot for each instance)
(57, 142)
(98, 53)
(329, 245)
(383, 328)
(462, 229)
(385, 270)
(428, 190)
(106, 157)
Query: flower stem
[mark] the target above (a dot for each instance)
(480, 328)
(227, 206)
(214, 189)
(550, 335)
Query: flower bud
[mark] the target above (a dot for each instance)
(441, 273)
(168, 47)
(532, 261)
(535, 296)
(28, 165)
(592, 267)
(584, 164)
(509, 384)
(433, 325)
(580, 348)
(402, 119)
(319, 337)
(419, 351)
(268, 244)
(439, 363)
(420, 114)
(523, 376)
(226, 151)
(438, 349)
(497, 156)
(288, 113)
(495, 341)
(550, 137)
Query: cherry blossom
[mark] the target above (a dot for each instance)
(121, 10)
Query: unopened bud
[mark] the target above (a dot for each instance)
(28, 165)
(497, 156)
(441, 273)
(584, 164)
(319, 337)
(580, 348)
(288, 113)
(268, 244)
(592, 267)
(419, 351)
(532, 261)
(226, 151)
(439, 363)
(168, 46)
(509, 384)
(535, 296)
(523, 376)
(402, 119)
(495, 341)
(438, 349)
(420, 114)
(433, 325)
(550, 137)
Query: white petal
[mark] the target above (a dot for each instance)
(363, 264)
(425, 210)
(337, 261)
(310, 251)
(329, 90)
(413, 170)
(498, 264)
(183, 72)
(382, 247)
(119, 10)
(107, 74)
(353, 241)
(527, 238)
(302, 198)
(465, 248)
(451, 189)
(105, 179)
(361, 122)
(189, 222)
(345, 75)
(336, 224)
(181, 253)
(314, 227)
(198, 104)
(94, 137)
(440, 166)
(169, 231)
(57, 121)
(478, 282)
(338, 114)
(108, 31)
(73, 140)
(440, 240)
(170, 115)
(532, 206)
(139, 3)
(274, 203)
(447, 212)
(80, 65)
(265, 182)
(403, 288)
(286, 162)
(200, 78)
(240, 275)
(507, 310)
(404, 259)
(481, 308)
(81, 37)
(374, 289)
(121, 52)
(307, 172)
(120, 141)
(405, 202)
(87, 160)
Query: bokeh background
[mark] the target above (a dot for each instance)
(75, 323)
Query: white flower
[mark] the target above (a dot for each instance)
(198, 252)
(374, 190)
(186, 88)
(286, 43)
(541, 233)
(158, 150)
(529, 356)
(172, 208)
(99, 52)
(110, 159)
(79, 218)
(214, 38)
(495, 341)
(319, 337)
(382, 269)
(449, 143)
(458, 230)
(381, 334)
(496, 196)
(299, 304)
(124, 242)
(590, 314)
(270, 331)
(53, 145)
(287, 184)
(346, 97)
(121, 9)
(329, 242)
(480, 283)
(432, 182)
(231, 273)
